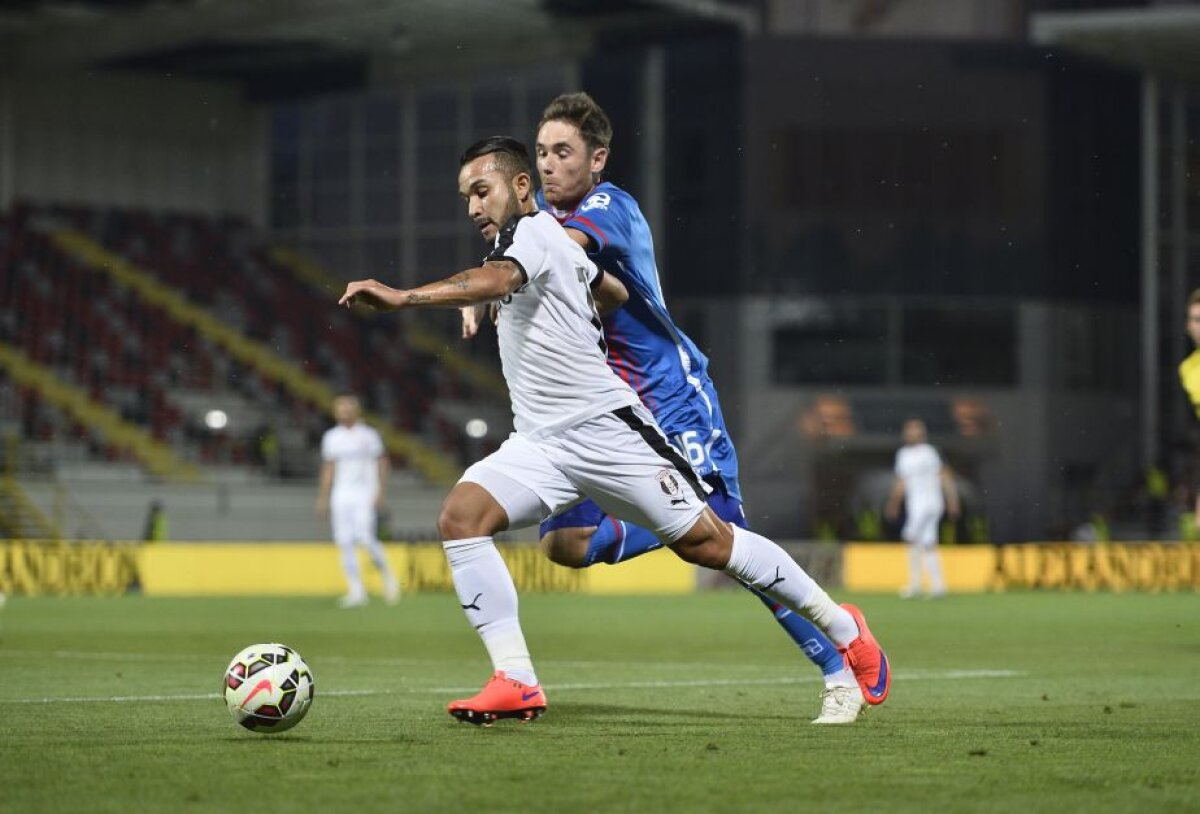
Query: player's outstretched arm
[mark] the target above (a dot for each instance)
(493, 280)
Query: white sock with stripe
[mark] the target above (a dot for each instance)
(487, 594)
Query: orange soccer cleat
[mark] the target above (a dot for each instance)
(867, 660)
(501, 697)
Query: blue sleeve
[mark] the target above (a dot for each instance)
(605, 219)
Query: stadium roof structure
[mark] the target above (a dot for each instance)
(287, 47)
(1163, 41)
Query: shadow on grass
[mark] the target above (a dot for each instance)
(575, 712)
(306, 740)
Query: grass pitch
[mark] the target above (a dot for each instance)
(1030, 702)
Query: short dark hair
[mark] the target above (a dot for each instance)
(581, 110)
(512, 156)
(1194, 298)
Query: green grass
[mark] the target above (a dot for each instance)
(1101, 713)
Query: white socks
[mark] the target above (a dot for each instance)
(350, 568)
(487, 594)
(349, 556)
(925, 556)
(379, 559)
(763, 564)
(914, 569)
(933, 567)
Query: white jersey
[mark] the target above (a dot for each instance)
(920, 467)
(355, 452)
(551, 342)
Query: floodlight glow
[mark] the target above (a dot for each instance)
(216, 419)
(477, 428)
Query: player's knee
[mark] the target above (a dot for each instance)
(470, 511)
(706, 554)
(458, 522)
(567, 547)
(709, 543)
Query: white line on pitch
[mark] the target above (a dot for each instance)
(124, 699)
(101, 655)
(943, 675)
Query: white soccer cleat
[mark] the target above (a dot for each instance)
(352, 601)
(391, 592)
(840, 705)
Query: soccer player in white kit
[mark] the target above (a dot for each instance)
(920, 481)
(580, 431)
(354, 473)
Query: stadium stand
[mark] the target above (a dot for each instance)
(128, 327)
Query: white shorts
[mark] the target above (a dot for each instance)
(619, 459)
(921, 526)
(352, 519)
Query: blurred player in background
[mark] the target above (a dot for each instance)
(354, 472)
(580, 431)
(1189, 377)
(661, 363)
(928, 490)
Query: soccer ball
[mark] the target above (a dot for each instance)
(268, 688)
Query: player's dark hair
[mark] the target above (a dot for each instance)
(1194, 298)
(512, 156)
(581, 110)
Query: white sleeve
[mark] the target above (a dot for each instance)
(520, 242)
(377, 448)
(326, 451)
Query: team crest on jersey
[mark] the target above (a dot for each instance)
(668, 483)
(600, 200)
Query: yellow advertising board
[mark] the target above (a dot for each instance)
(1150, 566)
(36, 567)
(1147, 566)
(32, 568)
(208, 569)
(884, 567)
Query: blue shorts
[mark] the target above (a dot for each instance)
(587, 514)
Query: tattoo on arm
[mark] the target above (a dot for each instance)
(416, 298)
(461, 280)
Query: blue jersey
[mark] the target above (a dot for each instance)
(645, 347)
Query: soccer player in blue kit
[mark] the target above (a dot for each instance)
(665, 368)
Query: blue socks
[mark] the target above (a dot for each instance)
(807, 636)
(615, 541)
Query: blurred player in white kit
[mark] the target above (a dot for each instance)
(928, 490)
(354, 474)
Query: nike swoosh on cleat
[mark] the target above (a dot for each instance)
(877, 690)
(525, 696)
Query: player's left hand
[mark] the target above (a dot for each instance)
(372, 294)
(471, 315)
